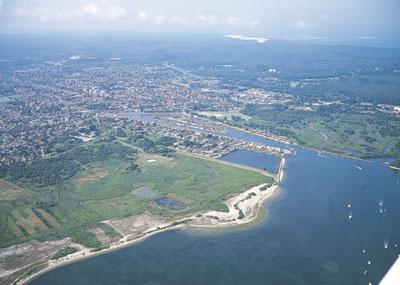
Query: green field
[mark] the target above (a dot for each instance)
(71, 193)
(348, 133)
(345, 129)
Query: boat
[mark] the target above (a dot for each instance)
(386, 244)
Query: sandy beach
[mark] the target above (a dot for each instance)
(243, 208)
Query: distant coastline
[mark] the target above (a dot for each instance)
(246, 38)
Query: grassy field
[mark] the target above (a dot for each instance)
(347, 133)
(352, 131)
(42, 205)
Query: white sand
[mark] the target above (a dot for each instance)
(248, 202)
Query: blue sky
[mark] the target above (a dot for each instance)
(363, 19)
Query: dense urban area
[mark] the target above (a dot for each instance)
(50, 107)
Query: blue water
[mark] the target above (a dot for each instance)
(233, 133)
(263, 161)
(308, 237)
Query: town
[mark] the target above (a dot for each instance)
(51, 110)
(50, 106)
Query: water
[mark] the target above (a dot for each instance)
(264, 161)
(169, 203)
(307, 239)
(236, 134)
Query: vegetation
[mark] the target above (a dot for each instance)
(109, 231)
(59, 169)
(310, 72)
(166, 141)
(83, 236)
(159, 145)
(265, 187)
(337, 127)
(71, 193)
(241, 214)
(64, 252)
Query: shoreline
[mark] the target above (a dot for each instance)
(286, 141)
(243, 209)
(82, 255)
(219, 160)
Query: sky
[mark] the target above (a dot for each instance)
(317, 19)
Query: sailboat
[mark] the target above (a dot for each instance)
(386, 244)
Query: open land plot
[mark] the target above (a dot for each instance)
(100, 201)
(350, 131)
(136, 224)
(10, 192)
(103, 236)
(197, 183)
(16, 257)
(143, 191)
(87, 179)
(103, 188)
(346, 133)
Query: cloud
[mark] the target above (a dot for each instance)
(365, 38)
(90, 11)
(235, 21)
(111, 13)
(336, 19)
(179, 19)
(301, 25)
(142, 16)
(208, 20)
